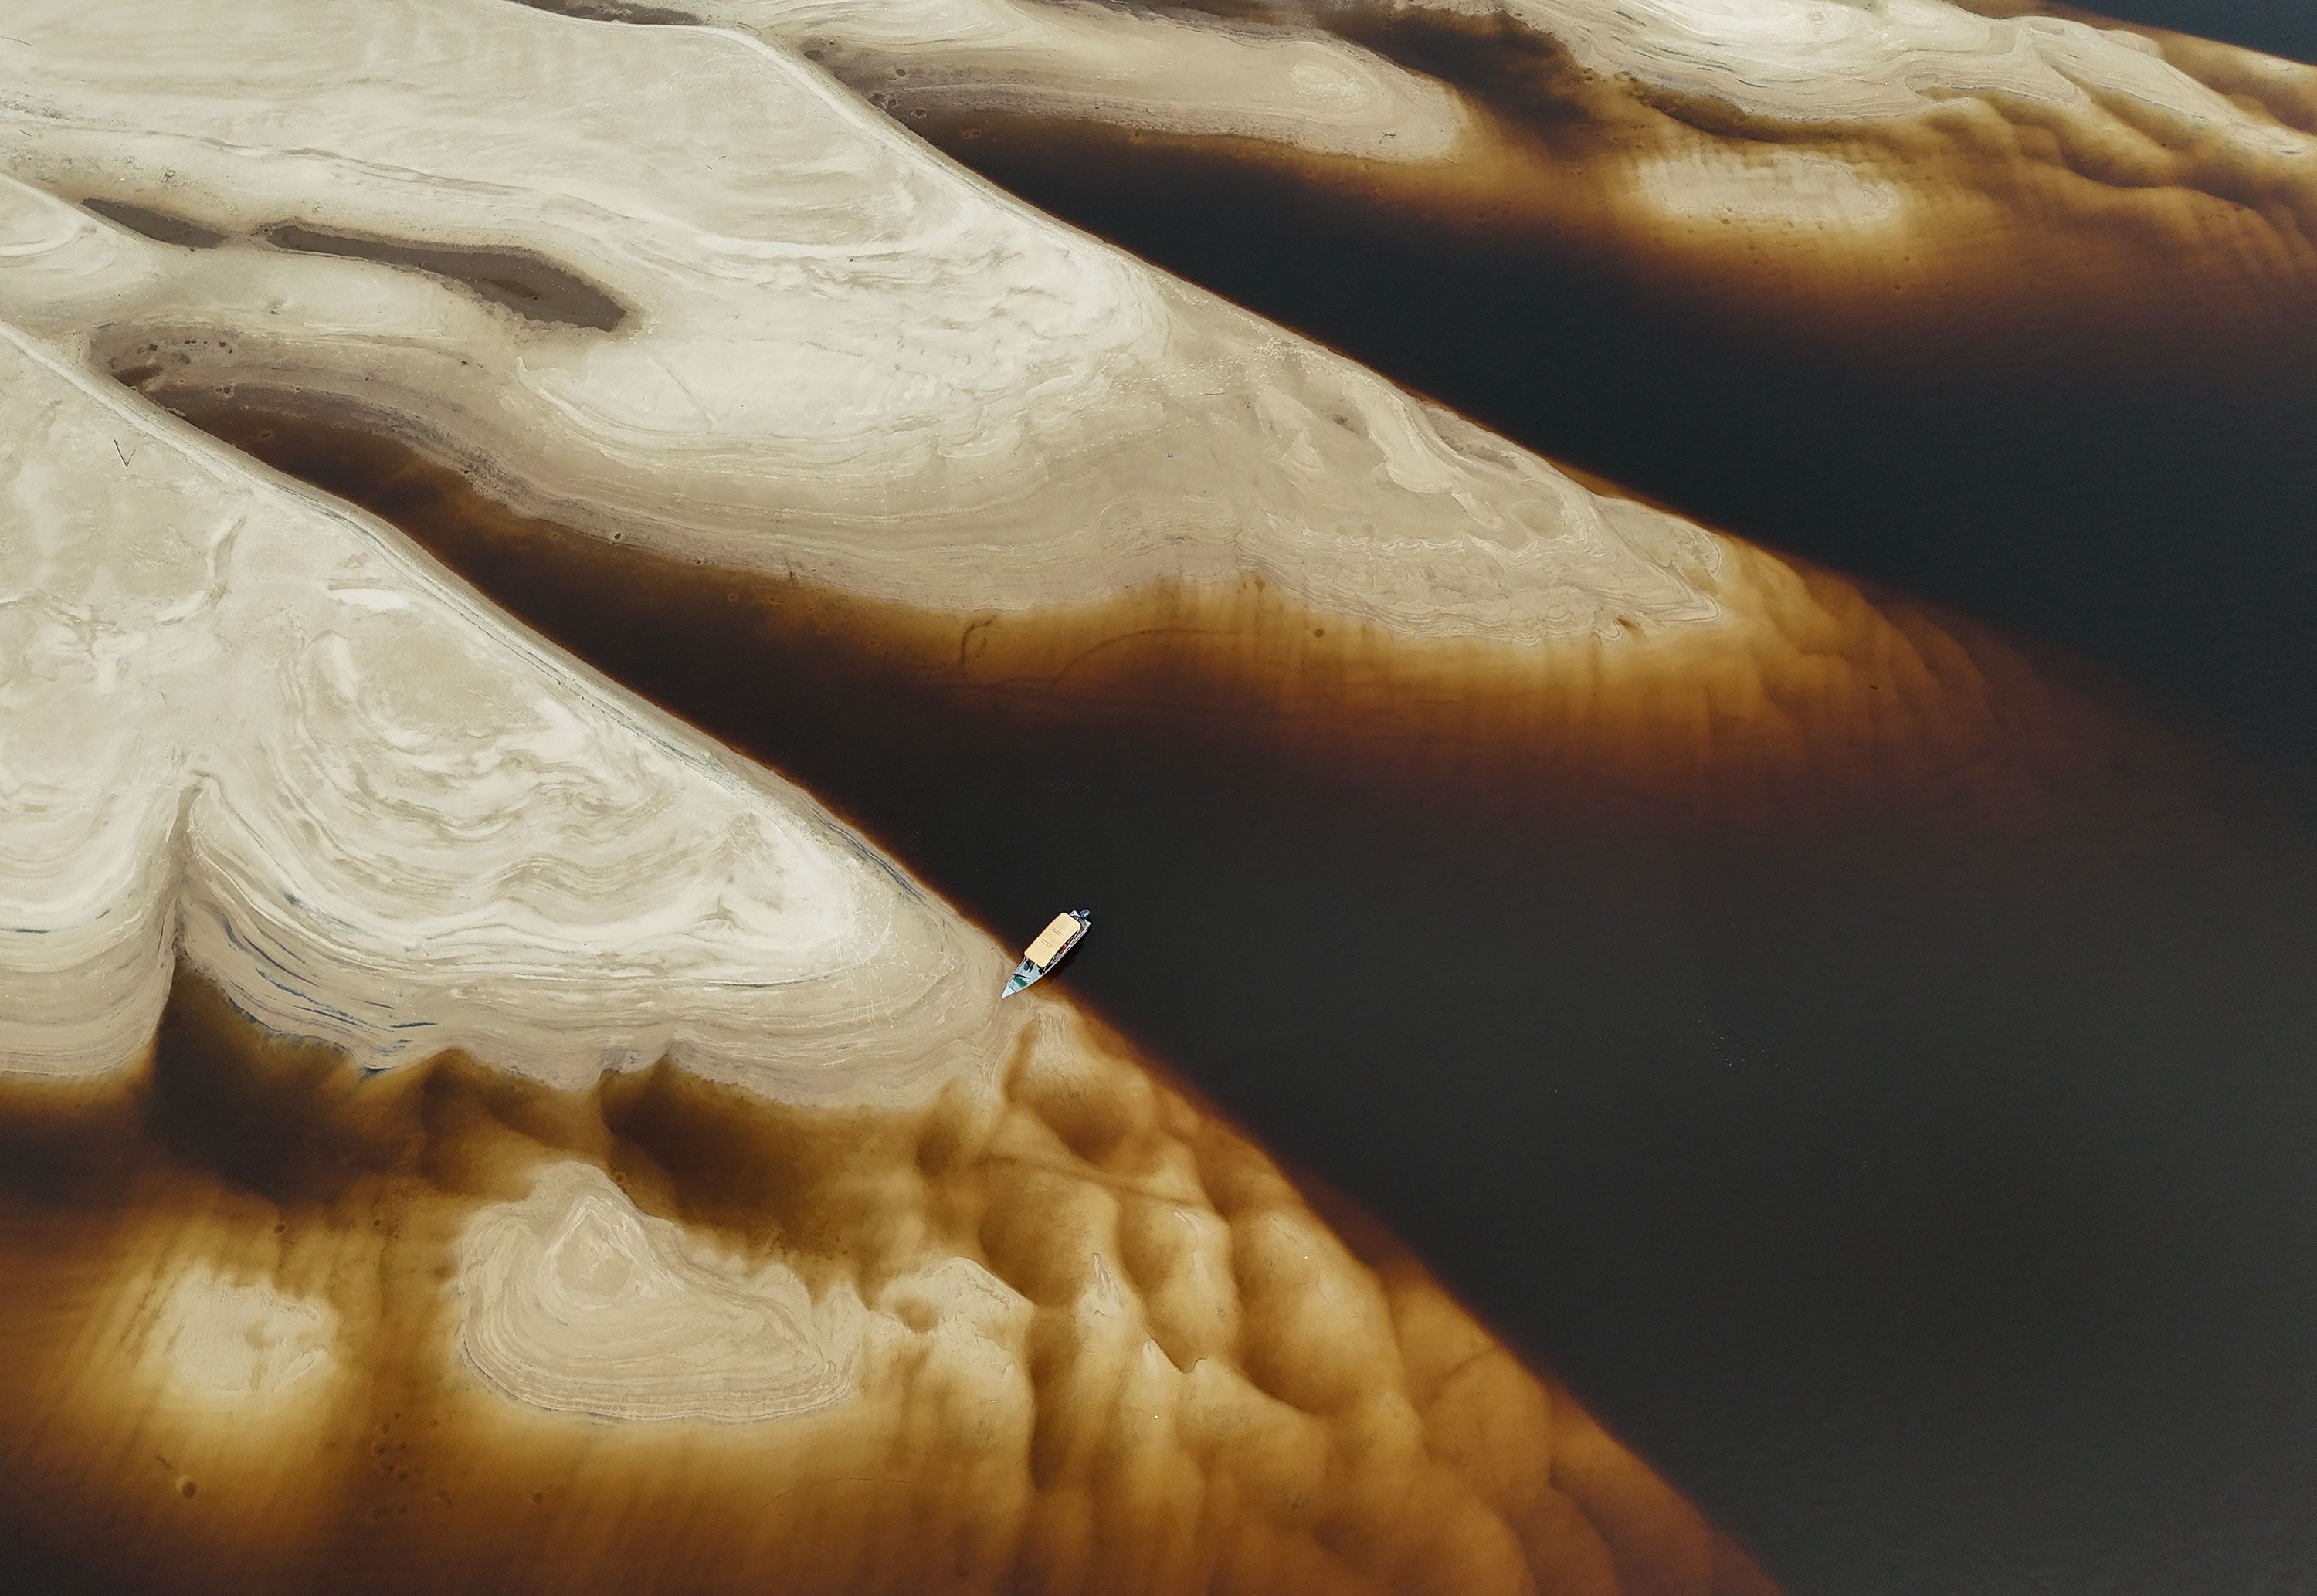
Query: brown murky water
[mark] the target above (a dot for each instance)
(258, 1158)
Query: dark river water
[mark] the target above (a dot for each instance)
(2282, 27)
(1935, 1206)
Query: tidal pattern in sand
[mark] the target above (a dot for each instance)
(1722, 755)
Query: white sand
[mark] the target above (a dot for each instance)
(576, 1302)
(231, 1343)
(2231, 122)
(845, 358)
(1166, 72)
(237, 712)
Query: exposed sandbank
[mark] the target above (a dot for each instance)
(660, 1193)
(847, 360)
(1960, 156)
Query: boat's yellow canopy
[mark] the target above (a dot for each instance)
(1052, 940)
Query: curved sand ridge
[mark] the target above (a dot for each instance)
(237, 715)
(842, 358)
(973, 1305)
(2101, 104)
(1160, 71)
(1032, 1324)
(1840, 169)
(2126, 108)
(1836, 59)
(729, 313)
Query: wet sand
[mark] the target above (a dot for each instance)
(1901, 1156)
(1870, 1067)
(245, 1338)
(1071, 1329)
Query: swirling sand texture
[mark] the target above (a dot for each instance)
(575, 1301)
(243, 719)
(659, 1196)
(1915, 162)
(572, 1161)
(843, 357)
(816, 352)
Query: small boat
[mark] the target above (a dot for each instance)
(1041, 956)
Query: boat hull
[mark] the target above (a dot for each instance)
(1052, 946)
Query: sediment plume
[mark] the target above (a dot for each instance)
(277, 1327)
